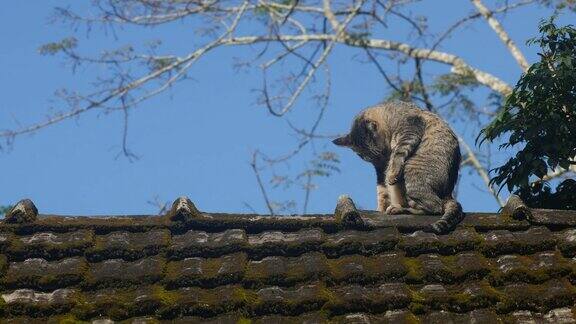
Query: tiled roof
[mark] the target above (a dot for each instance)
(353, 267)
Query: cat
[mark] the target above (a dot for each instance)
(416, 156)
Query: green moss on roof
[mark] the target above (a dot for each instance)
(250, 268)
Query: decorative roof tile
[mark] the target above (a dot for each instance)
(356, 267)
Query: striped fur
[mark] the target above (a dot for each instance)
(416, 156)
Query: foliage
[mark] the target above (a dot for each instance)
(561, 4)
(540, 195)
(56, 47)
(4, 209)
(455, 89)
(540, 115)
(324, 164)
(265, 9)
(447, 84)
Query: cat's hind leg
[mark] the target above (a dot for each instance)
(423, 200)
(415, 208)
(414, 195)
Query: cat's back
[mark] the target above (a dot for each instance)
(392, 113)
(438, 137)
(438, 132)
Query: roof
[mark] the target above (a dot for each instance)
(353, 266)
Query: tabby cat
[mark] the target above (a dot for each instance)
(416, 156)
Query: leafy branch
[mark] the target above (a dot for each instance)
(539, 118)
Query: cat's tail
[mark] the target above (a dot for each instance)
(452, 216)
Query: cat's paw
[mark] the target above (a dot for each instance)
(394, 210)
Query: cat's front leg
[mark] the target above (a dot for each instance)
(404, 144)
(395, 186)
(395, 170)
(397, 197)
(382, 197)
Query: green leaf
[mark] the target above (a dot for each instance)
(538, 118)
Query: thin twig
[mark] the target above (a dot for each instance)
(256, 171)
(308, 188)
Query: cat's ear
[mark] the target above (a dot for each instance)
(343, 141)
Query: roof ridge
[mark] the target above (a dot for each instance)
(515, 215)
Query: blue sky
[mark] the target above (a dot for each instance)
(197, 139)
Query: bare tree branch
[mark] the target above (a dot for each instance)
(502, 34)
(476, 15)
(458, 65)
(559, 172)
(162, 207)
(121, 91)
(480, 169)
(339, 29)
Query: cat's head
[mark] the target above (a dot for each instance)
(366, 139)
